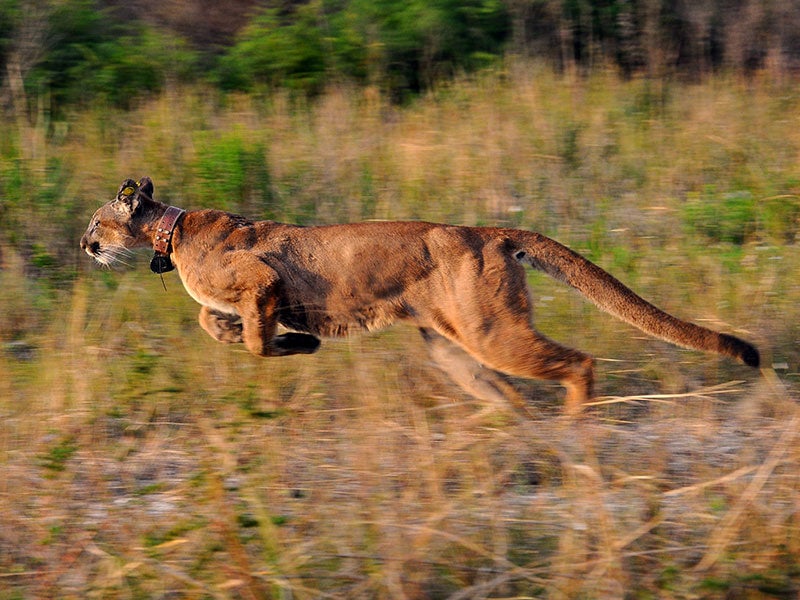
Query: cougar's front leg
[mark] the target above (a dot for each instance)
(259, 323)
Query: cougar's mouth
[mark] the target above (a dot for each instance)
(106, 255)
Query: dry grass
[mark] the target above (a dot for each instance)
(197, 471)
(140, 459)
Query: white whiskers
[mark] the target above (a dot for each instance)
(112, 255)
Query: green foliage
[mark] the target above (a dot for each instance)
(419, 42)
(9, 16)
(274, 51)
(738, 216)
(721, 217)
(86, 50)
(781, 216)
(402, 45)
(34, 202)
(95, 56)
(56, 458)
(231, 174)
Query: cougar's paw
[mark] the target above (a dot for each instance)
(221, 326)
(231, 334)
(295, 343)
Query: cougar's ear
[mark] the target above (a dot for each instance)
(146, 187)
(128, 196)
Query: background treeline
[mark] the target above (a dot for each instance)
(115, 51)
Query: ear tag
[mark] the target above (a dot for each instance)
(128, 191)
(160, 263)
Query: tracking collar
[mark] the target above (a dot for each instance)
(161, 262)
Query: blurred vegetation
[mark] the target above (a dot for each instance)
(86, 51)
(660, 139)
(700, 179)
(289, 110)
(403, 46)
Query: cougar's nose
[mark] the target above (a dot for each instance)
(90, 248)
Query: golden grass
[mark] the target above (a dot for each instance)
(140, 459)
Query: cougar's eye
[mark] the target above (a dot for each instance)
(95, 225)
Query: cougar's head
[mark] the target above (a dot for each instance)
(116, 227)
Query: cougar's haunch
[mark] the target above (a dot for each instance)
(463, 287)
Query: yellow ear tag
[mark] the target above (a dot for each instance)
(128, 191)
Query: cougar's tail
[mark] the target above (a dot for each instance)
(609, 294)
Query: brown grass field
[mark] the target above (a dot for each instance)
(141, 459)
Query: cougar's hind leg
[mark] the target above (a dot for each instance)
(477, 380)
(523, 352)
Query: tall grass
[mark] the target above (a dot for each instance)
(141, 459)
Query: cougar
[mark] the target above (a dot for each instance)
(464, 288)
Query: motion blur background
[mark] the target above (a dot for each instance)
(141, 459)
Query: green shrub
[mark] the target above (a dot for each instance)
(722, 216)
(781, 216)
(55, 459)
(273, 51)
(402, 45)
(231, 174)
(96, 57)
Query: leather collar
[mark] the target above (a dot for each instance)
(166, 226)
(162, 241)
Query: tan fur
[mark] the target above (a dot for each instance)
(463, 287)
